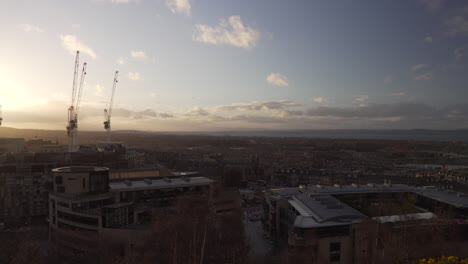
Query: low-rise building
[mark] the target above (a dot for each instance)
(361, 223)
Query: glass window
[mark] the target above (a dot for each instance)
(335, 251)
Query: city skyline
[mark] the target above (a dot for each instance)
(229, 65)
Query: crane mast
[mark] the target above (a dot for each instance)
(108, 111)
(74, 107)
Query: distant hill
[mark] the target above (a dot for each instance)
(132, 136)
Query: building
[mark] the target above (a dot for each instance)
(86, 209)
(8, 145)
(367, 223)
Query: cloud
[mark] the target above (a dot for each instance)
(121, 60)
(400, 110)
(166, 115)
(140, 55)
(428, 39)
(418, 67)
(259, 106)
(134, 76)
(72, 44)
(398, 94)
(30, 28)
(277, 79)
(424, 77)
(320, 100)
(420, 72)
(120, 1)
(229, 32)
(180, 6)
(98, 90)
(198, 111)
(360, 98)
(152, 94)
(460, 53)
(456, 26)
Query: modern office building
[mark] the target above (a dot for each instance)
(367, 223)
(86, 209)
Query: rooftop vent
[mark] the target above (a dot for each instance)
(337, 185)
(319, 186)
(148, 181)
(128, 183)
(355, 185)
(371, 185)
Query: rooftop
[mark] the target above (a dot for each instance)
(149, 184)
(322, 210)
(74, 169)
(456, 199)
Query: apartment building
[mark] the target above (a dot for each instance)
(366, 223)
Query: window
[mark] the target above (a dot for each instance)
(58, 179)
(335, 251)
(84, 183)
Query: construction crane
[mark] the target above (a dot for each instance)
(108, 110)
(1, 116)
(73, 110)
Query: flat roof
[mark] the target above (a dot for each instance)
(149, 184)
(456, 199)
(74, 169)
(323, 209)
(359, 188)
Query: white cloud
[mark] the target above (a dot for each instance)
(180, 6)
(198, 111)
(398, 94)
(72, 44)
(229, 32)
(320, 100)
(421, 72)
(98, 89)
(277, 79)
(120, 1)
(30, 28)
(418, 67)
(456, 26)
(134, 76)
(428, 39)
(259, 106)
(360, 98)
(424, 77)
(121, 60)
(140, 55)
(152, 94)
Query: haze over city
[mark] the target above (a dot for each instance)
(224, 65)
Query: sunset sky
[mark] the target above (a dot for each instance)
(237, 64)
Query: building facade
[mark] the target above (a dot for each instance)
(86, 209)
(367, 223)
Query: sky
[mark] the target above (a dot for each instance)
(207, 65)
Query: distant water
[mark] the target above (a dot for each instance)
(417, 134)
